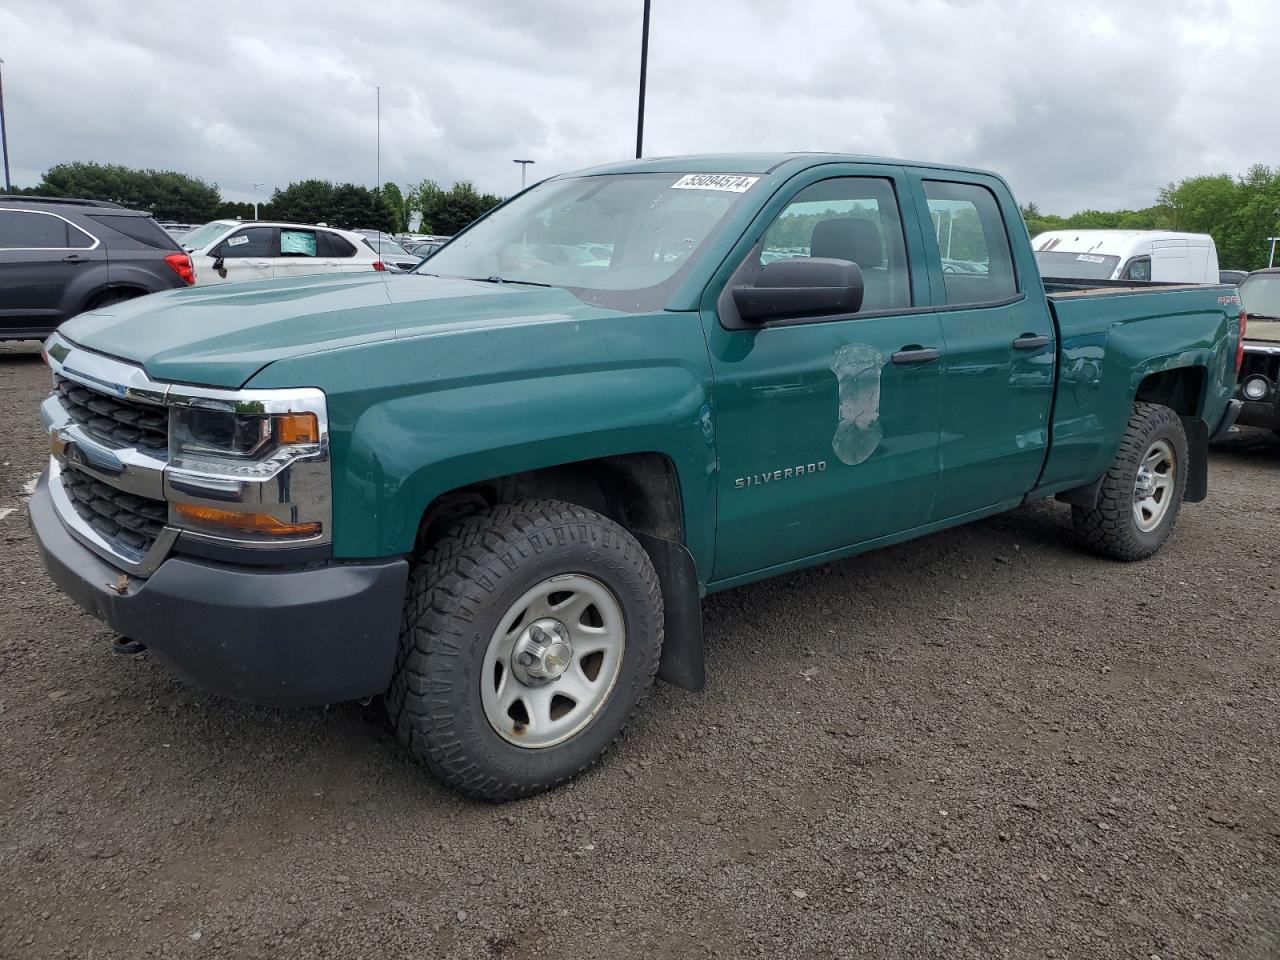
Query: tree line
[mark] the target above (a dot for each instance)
(170, 195)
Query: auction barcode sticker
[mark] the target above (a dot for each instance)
(1090, 258)
(730, 182)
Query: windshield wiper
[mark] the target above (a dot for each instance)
(449, 276)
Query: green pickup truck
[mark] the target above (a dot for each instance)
(495, 489)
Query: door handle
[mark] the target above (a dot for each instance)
(75, 258)
(1031, 341)
(914, 354)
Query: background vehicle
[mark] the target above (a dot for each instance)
(59, 257)
(500, 501)
(1156, 255)
(1260, 371)
(423, 248)
(1232, 276)
(391, 253)
(224, 251)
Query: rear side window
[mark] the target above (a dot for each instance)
(977, 261)
(249, 242)
(20, 229)
(143, 231)
(298, 243)
(333, 245)
(847, 218)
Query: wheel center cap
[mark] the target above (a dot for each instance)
(542, 653)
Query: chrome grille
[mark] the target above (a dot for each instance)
(123, 517)
(123, 423)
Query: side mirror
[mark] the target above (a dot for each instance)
(218, 264)
(801, 287)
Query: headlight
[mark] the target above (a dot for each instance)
(207, 439)
(249, 466)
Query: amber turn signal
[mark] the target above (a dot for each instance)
(297, 428)
(260, 523)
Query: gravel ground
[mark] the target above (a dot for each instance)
(982, 744)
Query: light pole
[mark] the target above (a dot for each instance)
(644, 72)
(256, 188)
(524, 166)
(4, 134)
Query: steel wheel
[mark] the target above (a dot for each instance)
(553, 661)
(1153, 488)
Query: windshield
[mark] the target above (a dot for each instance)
(384, 245)
(1075, 266)
(620, 240)
(201, 237)
(1260, 295)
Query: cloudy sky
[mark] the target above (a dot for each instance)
(1079, 103)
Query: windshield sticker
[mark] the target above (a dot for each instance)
(1090, 258)
(729, 182)
(236, 241)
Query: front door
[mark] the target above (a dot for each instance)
(248, 254)
(826, 429)
(999, 346)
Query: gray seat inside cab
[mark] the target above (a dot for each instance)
(851, 238)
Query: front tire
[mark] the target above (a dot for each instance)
(1142, 490)
(531, 632)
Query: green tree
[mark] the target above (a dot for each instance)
(447, 212)
(399, 206)
(167, 194)
(235, 210)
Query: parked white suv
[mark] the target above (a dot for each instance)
(227, 250)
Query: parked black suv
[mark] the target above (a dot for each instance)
(60, 257)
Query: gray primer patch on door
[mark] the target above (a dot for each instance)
(857, 369)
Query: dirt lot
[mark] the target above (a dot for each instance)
(982, 744)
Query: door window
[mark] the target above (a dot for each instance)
(249, 242)
(847, 218)
(1139, 268)
(977, 261)
(298, 243)
(20, 229)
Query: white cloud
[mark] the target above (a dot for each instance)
(1087, 104)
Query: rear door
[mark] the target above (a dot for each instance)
(43, 259)
(999, 344)
(826, 429)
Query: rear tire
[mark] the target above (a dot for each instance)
(1142, 490)
(498, 618)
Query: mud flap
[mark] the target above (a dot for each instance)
(682, 661)
(1198, 456)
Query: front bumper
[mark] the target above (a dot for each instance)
(290, 637)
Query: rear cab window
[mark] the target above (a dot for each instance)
(974, 254)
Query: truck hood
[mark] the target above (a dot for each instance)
(221, 336)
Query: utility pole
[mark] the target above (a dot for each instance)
(524, 166)
(644, 71)
(4, 133)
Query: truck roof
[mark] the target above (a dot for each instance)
(755, 163)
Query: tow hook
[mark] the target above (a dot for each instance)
(126, 647)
